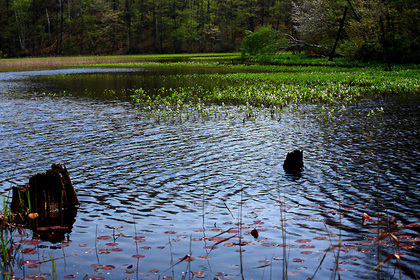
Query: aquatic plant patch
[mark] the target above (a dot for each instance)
(277, 89)
(181, 90)
(210, 89)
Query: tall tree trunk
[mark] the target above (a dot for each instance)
(84, 27)
(155, 27)
(60, 44)
(128, 5)
(114, 27)
(340, 29)
(262, 13)
(157, 30)
(384, 44)
(139, 27)
(49, 25)
(42, 40)
(22, 34)
(251, 24)
(356, 15)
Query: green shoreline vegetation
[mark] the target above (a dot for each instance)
(251, 86)
(44, 63)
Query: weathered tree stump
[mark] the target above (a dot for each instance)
(47, 194)
(47, 205)
(293, 164)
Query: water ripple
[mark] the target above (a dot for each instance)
(125, 169)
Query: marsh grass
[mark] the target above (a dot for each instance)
(254, 88)
(39, 63)
(272, 88)
(5, 253)
(53, 268)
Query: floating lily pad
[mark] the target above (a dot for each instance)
(306, 246)
(116, 249)
(302, 240)
(269, 244)
(108, 267)
(104, 237)
(320, 238)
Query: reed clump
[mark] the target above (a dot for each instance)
(9, 223)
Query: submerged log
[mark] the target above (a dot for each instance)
(293, 163)
(47, 194)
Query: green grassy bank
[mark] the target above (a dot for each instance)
(286, 79)
(41, 63)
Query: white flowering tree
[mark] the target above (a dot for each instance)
(369, 28)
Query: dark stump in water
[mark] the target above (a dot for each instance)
(46, 193)
(293, 163)
(48, 202)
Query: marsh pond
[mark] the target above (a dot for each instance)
(179, 199)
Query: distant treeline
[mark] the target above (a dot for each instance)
(361, 28)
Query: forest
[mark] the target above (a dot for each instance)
(360, 29)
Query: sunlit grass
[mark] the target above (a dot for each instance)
(287, 79)
(26, 64)
(269, 85)
(276, 89)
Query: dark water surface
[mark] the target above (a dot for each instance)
(107, 83)
(163, 191)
